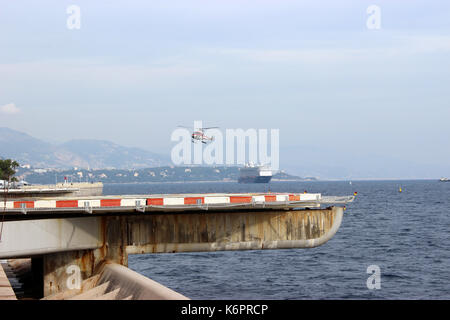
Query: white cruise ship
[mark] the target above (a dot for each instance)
(252, 173)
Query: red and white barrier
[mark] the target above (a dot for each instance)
(164, 201)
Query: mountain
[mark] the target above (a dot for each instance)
(75, 153)
(105, 154)
(24, 148)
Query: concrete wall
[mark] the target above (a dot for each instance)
(171, 232)
(231, 230)
(44, 236)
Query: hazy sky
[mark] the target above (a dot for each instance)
(313, 69)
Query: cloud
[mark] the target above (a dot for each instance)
(72, 73)
(9, 108)
(394, 46)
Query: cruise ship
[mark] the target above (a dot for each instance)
(252, 173)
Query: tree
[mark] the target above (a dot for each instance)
(8, 170)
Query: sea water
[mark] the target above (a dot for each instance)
(406, 234)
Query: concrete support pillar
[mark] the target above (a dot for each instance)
(66, 270)
(116, 240)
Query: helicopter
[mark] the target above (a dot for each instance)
(198, 134)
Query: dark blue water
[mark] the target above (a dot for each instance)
(406, 234)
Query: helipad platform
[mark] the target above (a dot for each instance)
(61, 235)
(170, 202)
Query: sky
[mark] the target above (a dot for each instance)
(349, 100)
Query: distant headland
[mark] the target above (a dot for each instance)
(154, 174)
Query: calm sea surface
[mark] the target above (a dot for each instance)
(406, 234)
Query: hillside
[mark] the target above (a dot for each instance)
(75, 153)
